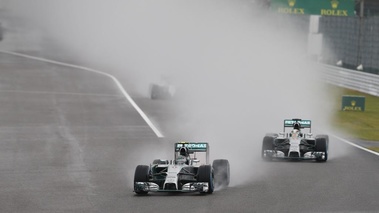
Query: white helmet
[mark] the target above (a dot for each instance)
(181, 159)
(295, 133)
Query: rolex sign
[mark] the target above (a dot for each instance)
(314, 7)
(353, 103)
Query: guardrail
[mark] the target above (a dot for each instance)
(351, 79)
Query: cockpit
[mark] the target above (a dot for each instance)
(295, 133)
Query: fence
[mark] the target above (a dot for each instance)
(352, 40)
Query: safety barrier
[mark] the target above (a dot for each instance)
(351, 79)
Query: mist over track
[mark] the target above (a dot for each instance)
(71, 141)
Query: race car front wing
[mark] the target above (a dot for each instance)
(188, 187)
(307, 156)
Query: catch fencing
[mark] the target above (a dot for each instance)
(353, 40)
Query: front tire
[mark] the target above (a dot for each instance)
(267, 144)
(205, 174)
(141, 175)
(322, 144)
(154, 92)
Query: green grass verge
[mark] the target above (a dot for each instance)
(362, 125)
(373, 148)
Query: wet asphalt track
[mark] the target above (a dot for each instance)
(70, 142)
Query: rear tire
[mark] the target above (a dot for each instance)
(205, 174)
(221, 169)
(323, 136)
(141, 175)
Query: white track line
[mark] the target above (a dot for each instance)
(353, 144)
(123, 91)
(60, 93)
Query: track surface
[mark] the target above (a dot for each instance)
(70, 142)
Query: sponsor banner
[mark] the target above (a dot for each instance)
(303, 123)
(353, 103)
(192, 146)
(315, 7)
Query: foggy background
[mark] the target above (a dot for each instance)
(238, 69)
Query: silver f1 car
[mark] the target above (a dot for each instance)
(186, 173)
(162, 91)
(295, 144)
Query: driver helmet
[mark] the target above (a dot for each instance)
(296, 126)
(295, 133)
(181, 159)
(184, 151)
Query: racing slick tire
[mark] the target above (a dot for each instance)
(267, 144)
(221, 170)
(322, 143)
(141, 175)
(155, 92)
(323, 136)
(205, 174)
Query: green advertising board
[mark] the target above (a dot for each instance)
(353, 103)
(314, 7)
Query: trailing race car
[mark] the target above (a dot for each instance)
(162, 91)
(295, 145)
(186, 173)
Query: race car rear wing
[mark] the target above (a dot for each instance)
(292, 122)
(194, 147)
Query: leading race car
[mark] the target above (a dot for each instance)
(295, 145)
(190, 171)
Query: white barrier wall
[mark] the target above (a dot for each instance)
(352, 79)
